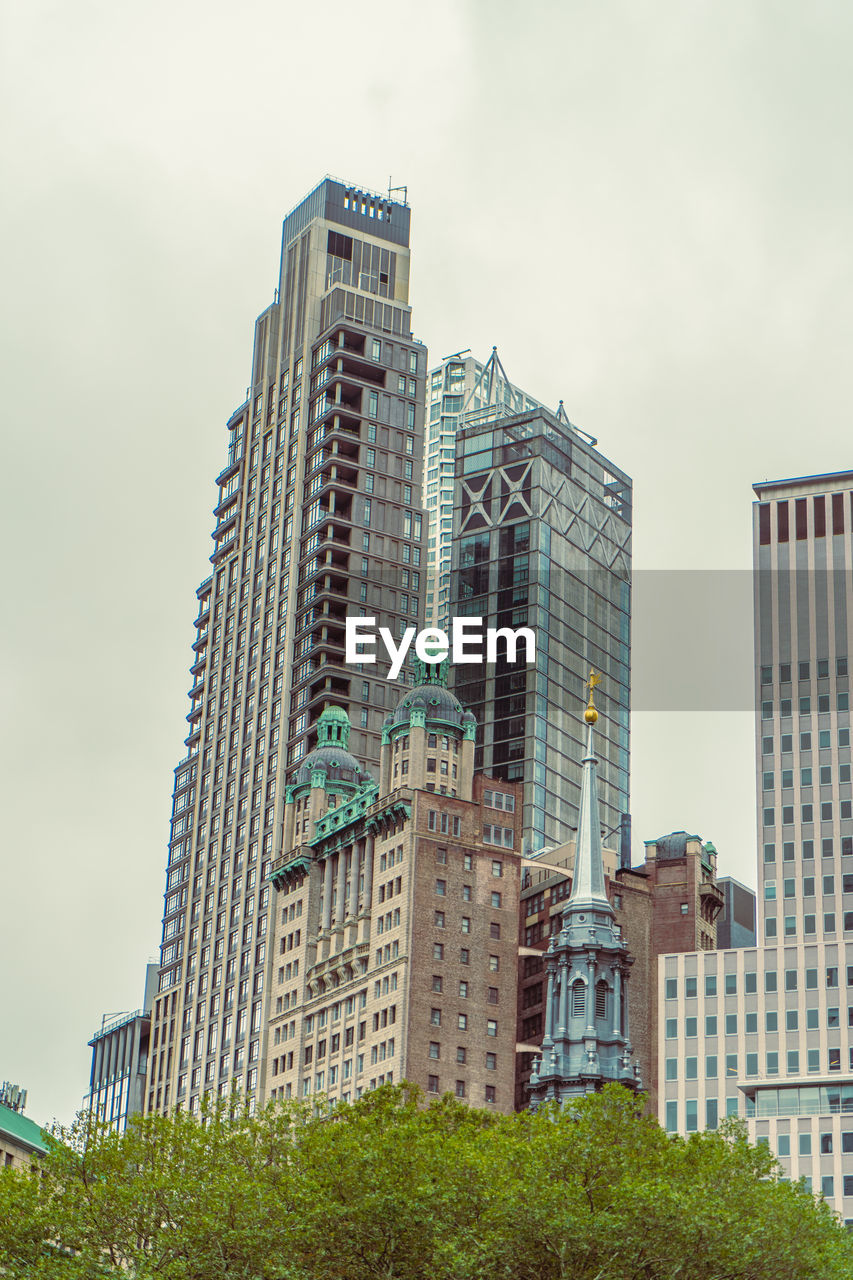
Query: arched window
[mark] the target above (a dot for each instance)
(578, 999)
(601, 1000)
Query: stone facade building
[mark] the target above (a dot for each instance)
(395, 914)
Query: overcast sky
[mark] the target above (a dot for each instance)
(646, 206)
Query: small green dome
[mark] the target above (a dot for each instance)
(333, 727)
(334, 713)
(330, 753)
(436, 702)
(338, 765)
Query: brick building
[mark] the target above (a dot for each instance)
(395, 915)
(669, 903)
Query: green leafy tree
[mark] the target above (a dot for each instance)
(390, 1188)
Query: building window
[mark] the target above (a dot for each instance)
(434, 1049)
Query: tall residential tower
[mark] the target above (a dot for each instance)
(317, 517)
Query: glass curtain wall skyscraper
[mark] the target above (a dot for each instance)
(317, 517)
(458, 385)
(767, 1032)
(542, 539)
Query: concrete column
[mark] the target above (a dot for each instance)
(327, 896)
(550, 1014)
(367, 899)
(590, 994)
(565, 996)
(340, 905)
(617, 1001)
(355, 865)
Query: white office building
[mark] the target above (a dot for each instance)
(767, 1032)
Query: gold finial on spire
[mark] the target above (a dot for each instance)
(591, 715)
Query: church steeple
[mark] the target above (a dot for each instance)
(586, 1041)
(588, 879)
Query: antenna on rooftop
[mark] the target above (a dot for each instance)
(392, 191)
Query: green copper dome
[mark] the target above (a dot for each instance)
(331, 754)
(436, 702)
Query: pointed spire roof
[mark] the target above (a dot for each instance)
(588, 888)
(563, 417)
(486, 387)
(586, 1040)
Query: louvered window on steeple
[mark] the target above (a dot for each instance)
(578, 999)
(601, 1000)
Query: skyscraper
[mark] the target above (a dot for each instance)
(317, 518)
(767, 1032)
(460, 385)
(542, 539)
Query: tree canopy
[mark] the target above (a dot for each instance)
(389, 1188)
